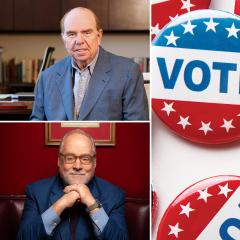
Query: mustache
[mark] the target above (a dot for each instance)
(77, 173)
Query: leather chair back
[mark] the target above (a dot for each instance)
(137, 216)
(11, 207)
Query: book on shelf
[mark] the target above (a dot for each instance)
(21, 71)
(14, 72)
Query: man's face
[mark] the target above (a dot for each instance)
(76, 172)
(81, 37)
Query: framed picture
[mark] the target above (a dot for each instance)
(103, 133)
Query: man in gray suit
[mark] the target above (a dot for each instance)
(91, 83)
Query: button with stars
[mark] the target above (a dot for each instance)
(208, 209)
(195, 76)
(164, 11)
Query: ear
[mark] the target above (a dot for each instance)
(59, 162)
(95, 163)
(100, 34)
(63, 38)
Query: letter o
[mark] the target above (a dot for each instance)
(206, 75)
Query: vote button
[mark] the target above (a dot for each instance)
(207, 210)
(195, 76)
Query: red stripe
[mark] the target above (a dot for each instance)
(237, 7)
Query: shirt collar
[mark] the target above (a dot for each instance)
(91, 64)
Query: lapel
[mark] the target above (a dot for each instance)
(65, 86)
(97, 83)
(93, 187)
(56, 191)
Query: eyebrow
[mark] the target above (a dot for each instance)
(81, 155)
(70, 31)
(88, 30)
(85, 30)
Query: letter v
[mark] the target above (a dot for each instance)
(169, 82)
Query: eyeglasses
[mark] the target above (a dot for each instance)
(71, 158)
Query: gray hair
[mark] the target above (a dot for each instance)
(98, 23)
(80, 132)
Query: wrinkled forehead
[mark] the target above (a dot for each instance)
(79, 20)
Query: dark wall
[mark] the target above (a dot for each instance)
(25, 158)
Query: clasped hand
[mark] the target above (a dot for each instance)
(72, 194)
(80, 193)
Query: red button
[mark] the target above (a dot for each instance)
(163, 11)
(195, 76)
(207, 210)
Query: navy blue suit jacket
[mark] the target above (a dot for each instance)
(42, 194)
(115, 92)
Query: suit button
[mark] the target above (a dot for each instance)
(54, 224)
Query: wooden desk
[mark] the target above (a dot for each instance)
(15, 110)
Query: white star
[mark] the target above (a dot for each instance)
(232, 31)
(155, 30)
(224, 190)
(168, 108)
(186, 4)
(205, 127)
(227, 124)
(211, 25)
(175, 230)
(184, 122)
(238, 115)
(186, 209)
(171, 39)
(173, 18)
(204, 195)
(188, 27)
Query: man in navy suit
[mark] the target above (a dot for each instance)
(91, 83)
(74, 204)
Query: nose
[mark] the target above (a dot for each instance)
(79, 38)
(77, 165)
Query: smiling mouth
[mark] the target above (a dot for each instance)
(80, 50)
(77, 174)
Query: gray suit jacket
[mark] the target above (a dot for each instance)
(115, 92)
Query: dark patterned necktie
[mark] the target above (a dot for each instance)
(74, 217)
